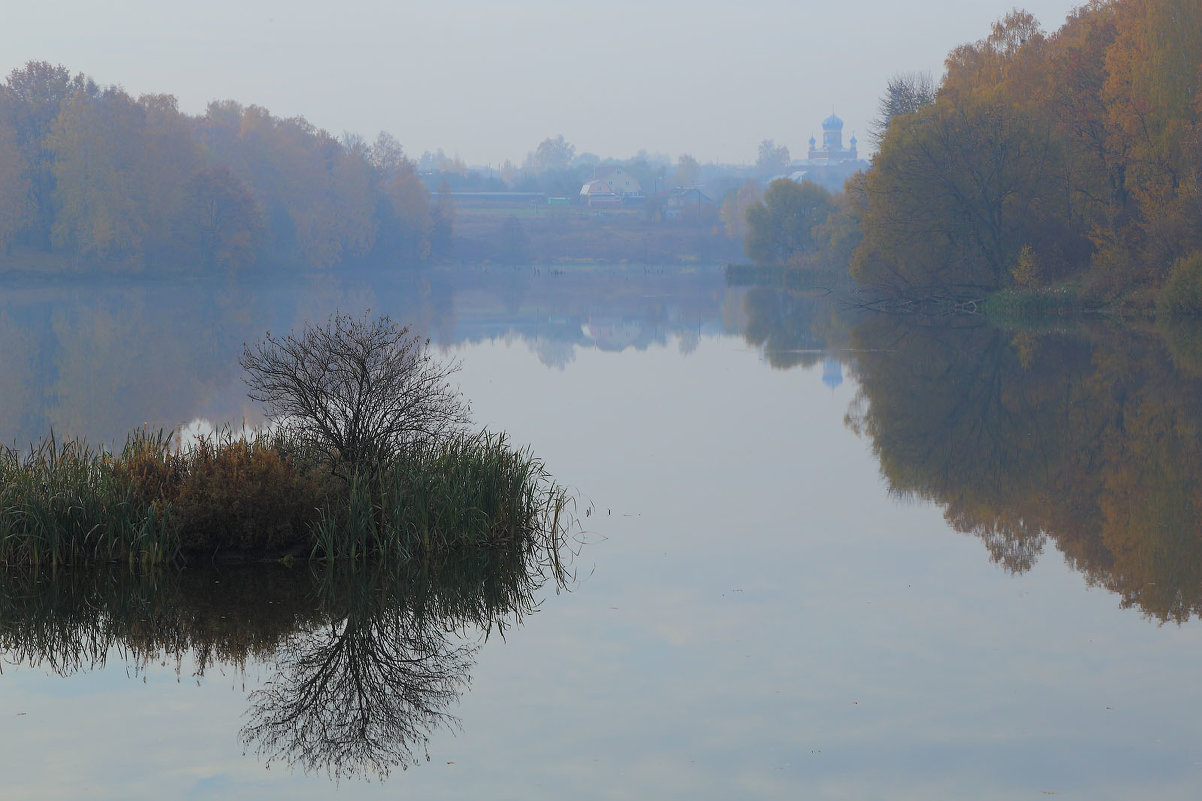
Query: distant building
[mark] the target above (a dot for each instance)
(832, 163)
(599, 193)
(610, 186)
(687, 201)
(621, 182)
(832, 151)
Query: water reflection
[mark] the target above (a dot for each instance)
(362, 692)
(1087, 438)
(1084, 439)
(1084, 436)
(363, 664)
(96, 359)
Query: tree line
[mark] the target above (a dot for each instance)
(90, 173)
(1046, 159)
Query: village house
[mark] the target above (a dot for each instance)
(610, 185)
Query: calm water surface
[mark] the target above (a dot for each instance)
(823, 558)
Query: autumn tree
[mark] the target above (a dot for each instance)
(16, 203)
(1153, 91)
(1080, 148)
(734, 208)
(168, 155)
(95, 174)
(962, 185)
(782, 226)
(771, 159)
(840, 234)
(688, 171)
(31, 101)
(99, 202)
(406, 222)
(218, 221)
(1101, 206)
(551, 154)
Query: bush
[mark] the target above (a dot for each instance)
(148, 468)
(1182, 292)
(369, 461)
(239, 495)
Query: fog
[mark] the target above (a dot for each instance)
(488, 81)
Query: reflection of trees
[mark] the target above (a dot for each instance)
(98, 358)
(1091, 442)
(74, 620)
(793, 328)
(367, 662)
(359, 694)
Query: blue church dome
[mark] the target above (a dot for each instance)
(832, 123)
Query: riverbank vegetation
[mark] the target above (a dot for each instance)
(1045, 160)
(368, 457)
(106, 181)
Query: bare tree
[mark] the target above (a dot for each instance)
(358, 390)
(906, 93)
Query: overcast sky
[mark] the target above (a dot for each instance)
(489, 80)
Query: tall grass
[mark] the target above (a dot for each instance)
(466, 492)
(1033, 304)
(230, 494)
(63, 502)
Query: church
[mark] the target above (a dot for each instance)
(831, 164)
(832, 151)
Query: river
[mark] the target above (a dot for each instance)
(817, 554)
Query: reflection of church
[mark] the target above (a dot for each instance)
(832, 372)
(832, 150)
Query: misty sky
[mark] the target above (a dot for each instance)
(489, 80)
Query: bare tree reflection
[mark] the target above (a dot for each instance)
(363, 692)
(359, 696)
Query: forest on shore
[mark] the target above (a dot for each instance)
(94, 177)
(1069, 161)
(1050, 158)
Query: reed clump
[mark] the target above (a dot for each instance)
(472, 491)
(236, 495)
(63, 501)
